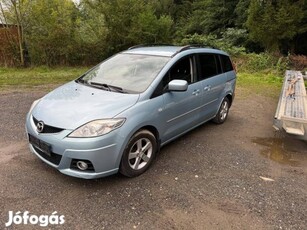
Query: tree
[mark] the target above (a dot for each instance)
(270, 22)
(146, 27)
(298, 44)
(51, 31)
(241, 12)
(12, 12)
(209, 16)
(128, 23)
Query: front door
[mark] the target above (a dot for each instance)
(181, 109)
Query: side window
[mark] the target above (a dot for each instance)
(219, 65)
(181, 70)
(226, 63)
(208, 66)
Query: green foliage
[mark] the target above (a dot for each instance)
(147, 28)
(241, 12)
(263, 62)
(235, 36)
(130, 23)
(61, 32)
(270, 22)
(51, 25)
(226, 43)
(282, 64)
(210, 16)
(256, 62)
(90, 35)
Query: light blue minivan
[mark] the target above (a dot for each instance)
(119, 114)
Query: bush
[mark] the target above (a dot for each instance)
(298, 62)
(213, 41)
(264, 62)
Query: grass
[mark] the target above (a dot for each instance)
(14, 78)
(266, 84)
(263, 83)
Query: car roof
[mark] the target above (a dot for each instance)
(169, 50)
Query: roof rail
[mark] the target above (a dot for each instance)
(149, 44)
(191, 46)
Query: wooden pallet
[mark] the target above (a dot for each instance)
(291, 113)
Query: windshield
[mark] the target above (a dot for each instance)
(129, 72)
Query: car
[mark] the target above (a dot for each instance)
(117, 116)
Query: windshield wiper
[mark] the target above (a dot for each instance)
(80, 80)
(108, 87)
(101, 86)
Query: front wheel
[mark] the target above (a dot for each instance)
(223, 112)
(138, 154)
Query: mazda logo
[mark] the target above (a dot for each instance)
(40, 126)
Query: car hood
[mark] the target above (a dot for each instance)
(73, 105)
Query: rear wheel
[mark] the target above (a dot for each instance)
(139, 154)
(222, 114)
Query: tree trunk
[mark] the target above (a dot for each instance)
(19, 33)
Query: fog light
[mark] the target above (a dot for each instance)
(82, 165)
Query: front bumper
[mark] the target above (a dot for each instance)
(103, 152)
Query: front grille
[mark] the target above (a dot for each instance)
(74, 166)
(48, 128)
(53, 158)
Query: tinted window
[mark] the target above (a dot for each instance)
(181, 70)
(208, 66)
(226, 63)
(218, 62)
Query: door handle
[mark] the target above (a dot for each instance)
(207, 88)
(196, 92)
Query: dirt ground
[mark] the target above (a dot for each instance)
(208, 179)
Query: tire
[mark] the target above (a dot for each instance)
(222, 114)
(138, 154)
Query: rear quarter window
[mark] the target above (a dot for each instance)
(226, 63)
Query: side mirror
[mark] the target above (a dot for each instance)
(178, 85)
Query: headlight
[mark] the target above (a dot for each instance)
(97, 128)
(33, 105)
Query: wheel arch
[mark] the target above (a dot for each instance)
(124, 165)
(230, 98)
(154, 131)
